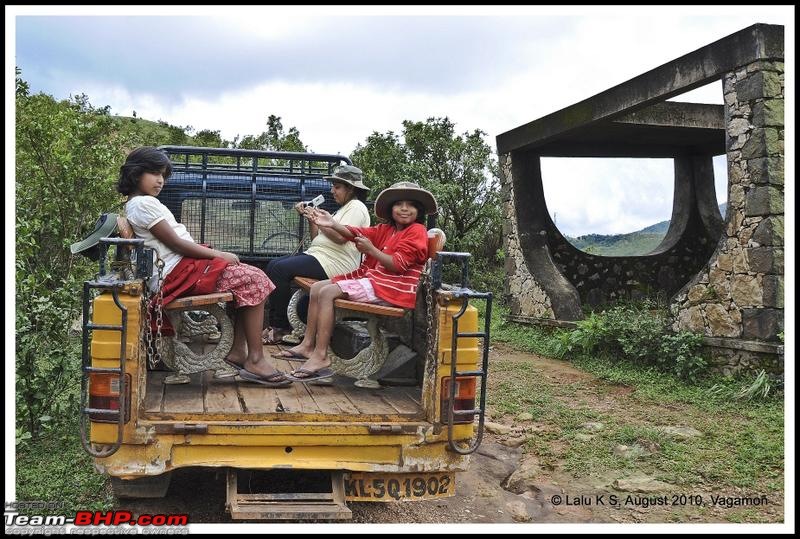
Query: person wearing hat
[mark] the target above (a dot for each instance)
(329, 253)
(395, 251)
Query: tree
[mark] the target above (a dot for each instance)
(274, 138)
(459, 170)
(67, 159)
(383, 159)
(209, 139)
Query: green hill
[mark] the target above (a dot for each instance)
(146, 132)
(634, 243)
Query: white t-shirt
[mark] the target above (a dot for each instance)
(334, 258)
(144, 212)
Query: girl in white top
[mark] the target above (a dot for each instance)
(192, 269)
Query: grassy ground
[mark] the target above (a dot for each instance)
(740, 450)
(56, 469)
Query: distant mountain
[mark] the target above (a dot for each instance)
(634, 243)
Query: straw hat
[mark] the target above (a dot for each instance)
(403, 191)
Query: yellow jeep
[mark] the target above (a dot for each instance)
(400, 434)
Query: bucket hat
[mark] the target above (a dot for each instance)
(106, 226)
(403, 191)
(350, 175)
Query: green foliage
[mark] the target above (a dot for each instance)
(640, 334)
(384, 161)
(175, 135)
(460, 170)
(759, 389)
(487, 277)
(680, 353)
(55, 468)
(67, 154)
(209, 139)
(274, 138)
(591, 334)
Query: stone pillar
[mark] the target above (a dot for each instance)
(739, 293)
(525, 296)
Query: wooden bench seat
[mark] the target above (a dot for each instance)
(369, 308)
(198, 301)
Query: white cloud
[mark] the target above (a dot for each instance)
(340, 75)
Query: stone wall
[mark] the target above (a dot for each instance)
(739, 293)
(523, 293)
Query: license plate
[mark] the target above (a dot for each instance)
(381, 487)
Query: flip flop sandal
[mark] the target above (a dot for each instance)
(276, 379)
(293, 356)
(236, 366)
(312, 375)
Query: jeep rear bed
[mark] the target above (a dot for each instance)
(237, 399)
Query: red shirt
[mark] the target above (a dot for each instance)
(409, 251)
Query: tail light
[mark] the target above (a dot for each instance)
(104, 394)
(464, 399)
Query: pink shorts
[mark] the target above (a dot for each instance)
(360, 290)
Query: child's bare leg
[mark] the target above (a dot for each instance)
(306, 346)
(247, 331)
(238, 353)
(318, 358)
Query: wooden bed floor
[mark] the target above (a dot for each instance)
(235, 396)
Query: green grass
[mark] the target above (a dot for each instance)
(56, 469)
(532, 339)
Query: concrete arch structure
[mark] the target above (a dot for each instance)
(723, 277)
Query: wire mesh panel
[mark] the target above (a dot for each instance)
(243, 201)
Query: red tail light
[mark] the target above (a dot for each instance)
(464, 399)
(104, 394)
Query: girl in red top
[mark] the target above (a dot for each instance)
(395, 256)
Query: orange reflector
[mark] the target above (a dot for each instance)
(104, 385)
(464, 400)
(104, 390)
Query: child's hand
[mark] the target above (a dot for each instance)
(231, 258)
(364, 245)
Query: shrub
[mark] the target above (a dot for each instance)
(638, 333)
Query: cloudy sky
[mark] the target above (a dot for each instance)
(339, 74)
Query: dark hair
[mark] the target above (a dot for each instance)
(139, 161)
(416, 204)
(361, 194)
